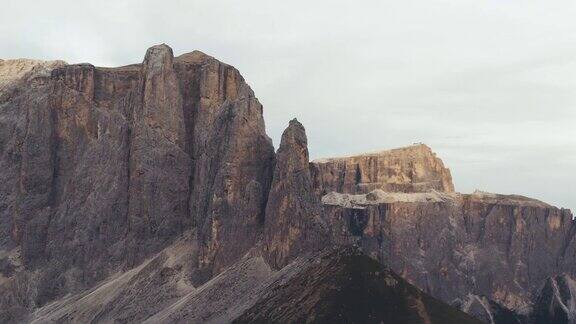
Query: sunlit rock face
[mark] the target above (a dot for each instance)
(410, 169)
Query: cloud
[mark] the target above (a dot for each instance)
(488, 84)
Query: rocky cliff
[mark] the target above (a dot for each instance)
(293, 222)
(151, 192)
(455, 246)
(410, 169)
(103, 167)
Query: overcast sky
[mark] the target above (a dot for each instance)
(490, 85)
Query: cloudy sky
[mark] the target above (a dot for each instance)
(490, 85)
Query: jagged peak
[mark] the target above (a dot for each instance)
(414, 168)
(295, 132)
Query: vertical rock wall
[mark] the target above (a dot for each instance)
(103, 167)
(410, 169)
(293, 217)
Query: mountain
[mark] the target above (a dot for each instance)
(151, 192)
(346, 286)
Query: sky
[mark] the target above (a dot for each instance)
(490, 85)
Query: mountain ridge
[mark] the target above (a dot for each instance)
(162, 174)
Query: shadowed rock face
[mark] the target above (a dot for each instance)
(345, 286)
(496, 246)
(127, 191)
(556, 302)
(326, 286)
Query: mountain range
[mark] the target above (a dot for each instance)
(152, 193)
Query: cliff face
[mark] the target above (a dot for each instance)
(127, 191)
(103, 167)
(411, 169)
(293, 217)
(454, 246)
(400, 206)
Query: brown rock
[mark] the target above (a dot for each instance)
(232, 159)
(159, 165)
(411, 169)
(501, 247)
(293, 222)
(103, 167)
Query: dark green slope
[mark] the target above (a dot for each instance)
(346, 286)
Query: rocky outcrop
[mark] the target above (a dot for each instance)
(158, 198)
(293, 222)
(556, 302)
(232, 160)
(17, 72)
(411, 169)
(454, 245)
(104, 167)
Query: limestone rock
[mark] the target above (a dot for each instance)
(411, 169)
(104, 167)
(501, 247)
(158, 163)
(232, 160)
(293, 223)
